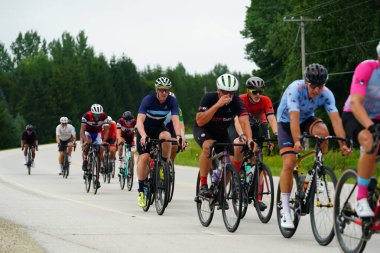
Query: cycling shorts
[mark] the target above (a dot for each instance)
(63, 145)
(95, 137)
(152, 133)
(202, 134)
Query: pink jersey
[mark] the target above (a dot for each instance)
(366, 82)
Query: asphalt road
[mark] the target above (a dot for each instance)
(60, 216)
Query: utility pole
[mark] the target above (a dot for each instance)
(302, 22)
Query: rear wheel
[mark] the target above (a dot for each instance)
(264, 193)
(148, 190)
(288, 233)
(171, 179)
(205, 206)
(130, 173)
(88, 176)
(321, 207)
(232, 200)
(161, 194)
(29, 164)
(96, 168)
(346, 222)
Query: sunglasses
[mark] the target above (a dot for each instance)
(224, 92)
(255, 92)
(163, 90)
(96, 115)
(314, 86)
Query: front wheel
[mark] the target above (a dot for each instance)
(264, 193)
(232, 199)
(130, 173)
(205, 206)
(293, 203)
(321, 206)
(347, 226)
(171, 179)
(161, 193)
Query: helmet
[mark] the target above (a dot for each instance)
(316, 74)
(109, 118)
(255, 82)
(171, 94)
(64, 120)
(163, 82)
(378, 49)
(127, 115)
(29, 127)
(227, 82)
(96, 108)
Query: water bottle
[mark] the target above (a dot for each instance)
(216, 173)
(307, 179)
(248, 172)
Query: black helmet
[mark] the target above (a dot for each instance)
(29, 127)
(127, 115)
(316, 74)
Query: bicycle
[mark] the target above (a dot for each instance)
(160, 187)
(226, 189)
(66, 163)
(93, 168)
(258, 183)
(126, 170)
(312, 193)
(352, 231)
(108, 164)
(29, 162)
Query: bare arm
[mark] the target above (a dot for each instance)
(358, 110)
(140, 124)
(202, 118)
(273, 123)
(246, 127)
(238, 127)
(82, 133)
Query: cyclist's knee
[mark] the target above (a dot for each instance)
(365, 139)
(165, 135)
(320, 129)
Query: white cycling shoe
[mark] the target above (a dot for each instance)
(363, 209)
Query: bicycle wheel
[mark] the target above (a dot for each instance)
(232, 200)
(148, 191)
(245, 192)
(288, 233)
(205, 207)
(346, 222)
(130, 173)
(321, 206)
(161, 193)
(96, 168)
(113, 168)
(172, 179)
(264, 193)
(65, 165)
(88, 176)
(109, 171)
(29, 163)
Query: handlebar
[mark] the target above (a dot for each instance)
(321, 139)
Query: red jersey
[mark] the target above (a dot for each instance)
(94, 125)
(111, 132)
(258, 111)
(127, 127)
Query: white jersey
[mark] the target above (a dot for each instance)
(65, 133)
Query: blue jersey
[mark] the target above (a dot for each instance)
(155, 111)
(296, 98)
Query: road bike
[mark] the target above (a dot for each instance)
(29, 162)
(257, 182)
(352, 231)
(66, 163)
(126, 170)
(226, 189)
(312, 193)
(93, 168)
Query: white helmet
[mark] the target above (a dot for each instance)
(255, 82)
(378, 49)
(227, 82)
(64, 120)
(96, 108)
(163, 82)
(109, 118)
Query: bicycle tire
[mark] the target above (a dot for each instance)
(109, 171)
(205, 207)
(161, 193)
(113, 168)
(325, 191)
(172, 180)
(344, 214)
(29, 163)
(65, 165)
(148, 190)
(232, 200)
(96, 174)
(288, 233)
(130, 173)
(88, 176)
(264, 192)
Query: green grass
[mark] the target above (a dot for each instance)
(333, 159)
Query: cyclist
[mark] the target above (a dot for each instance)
(360, 114)
(91, 126)
(111, 140)
(169, 125)
(29, 139)
(150, 122)
(126, 128)
(295, 115)
(64, 136)
(260, 111)
(216, 112)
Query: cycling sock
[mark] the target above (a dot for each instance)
(237, 165)
(362, 187)
(285, 202)
(141, 185)
(203, 181)
(26, 159)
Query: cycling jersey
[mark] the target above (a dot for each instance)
(295, 98)
(127, 127)
(29, 139)
(257, 111)
(169, 123)
(366, 82)
(94, 125)
(111, 132)
(155, 111)
(65, 133)
(224, 116)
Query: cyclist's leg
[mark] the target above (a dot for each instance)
(234, 138)
(120, 151)
(26, 146)
(316, 126)
(285, 142)
(142, 171)
(166, 146)
(85, 149)
(60, 155)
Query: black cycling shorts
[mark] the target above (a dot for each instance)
(152, 133)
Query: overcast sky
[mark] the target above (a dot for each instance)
(198, 33)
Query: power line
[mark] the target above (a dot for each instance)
(316, 7)
(354, 5)
(343, 47)
(341, 73)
